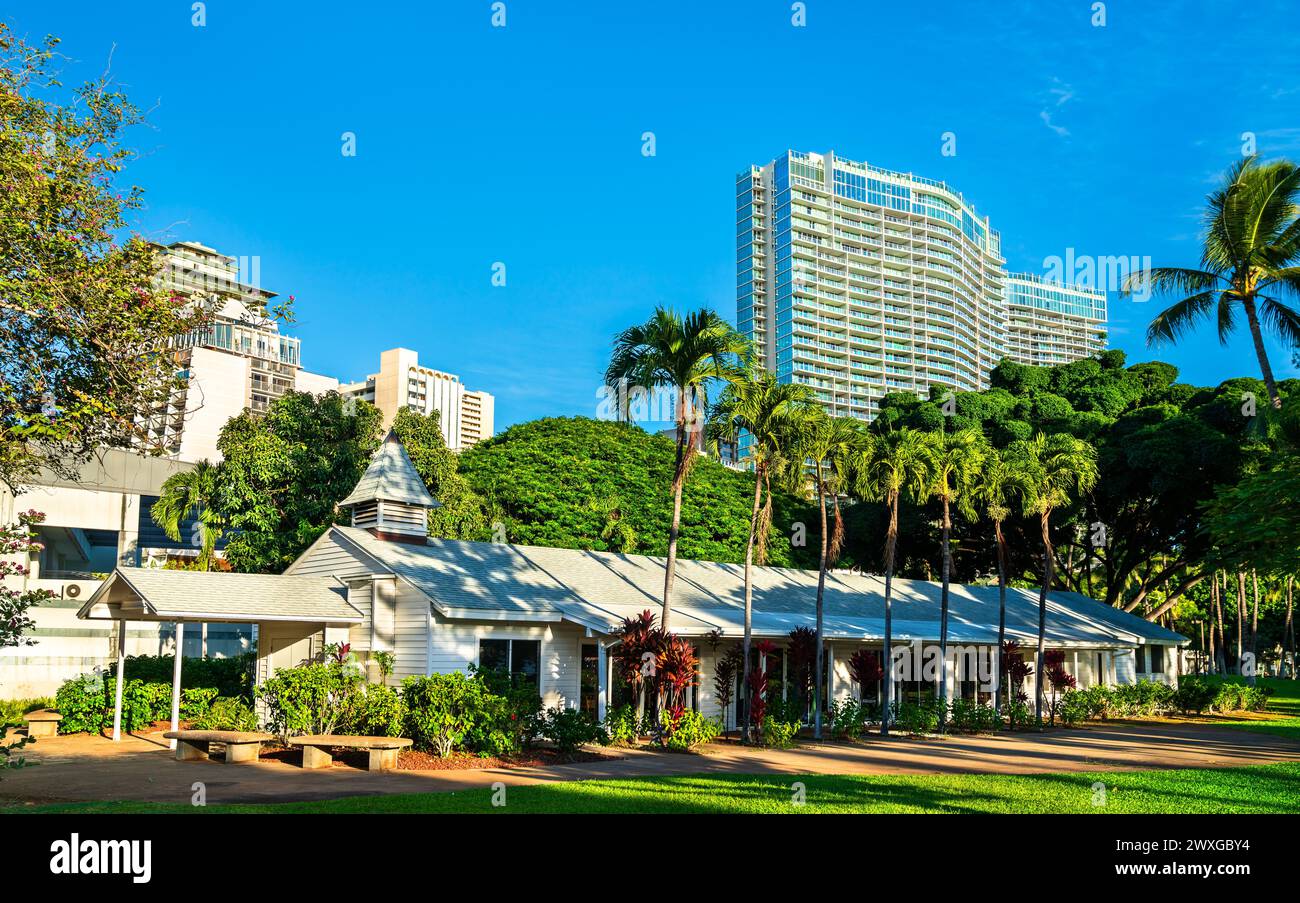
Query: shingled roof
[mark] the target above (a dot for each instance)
(599, 589)
(159, 594)
(391, 477)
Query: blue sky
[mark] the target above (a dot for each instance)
(522, 145)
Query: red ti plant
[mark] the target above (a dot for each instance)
(1058, 678)
(865, 668)
(637, 656)
(725, 670)
(802, 651)
(677, 666)
(1016, 669)
(758, 683)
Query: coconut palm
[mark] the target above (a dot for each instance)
(1054, 469)
(893, 464)
(824, 439)
(767, 412)
(1250, 260)
(996, 488)
(954, 465)
(191, 493)
(684, 354)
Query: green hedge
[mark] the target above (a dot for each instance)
(228, 676)
(86, 703)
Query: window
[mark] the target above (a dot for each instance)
(521, 659)
(1140, 654)
(1157, 659)
(589, 679)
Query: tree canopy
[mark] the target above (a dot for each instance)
(590, 484)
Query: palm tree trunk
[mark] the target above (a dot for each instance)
(1002, 612)
(887, 685)
(820, 679)
(1042, 617)
(1220, 592)
(1241, 607)
(1257, 336)
(945, 566)
(1288, 634)
(749, 595)
(679, 481)
(1254, 627)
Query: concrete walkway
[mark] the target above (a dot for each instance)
(141, 768)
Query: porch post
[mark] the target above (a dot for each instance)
(602, 681)
(176, 680)
(117, 690)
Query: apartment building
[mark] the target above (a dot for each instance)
(240, 361)
(860, 281)
(465, 415)
(1050, 323)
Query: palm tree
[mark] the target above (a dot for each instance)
(997, 486)
(894, 463)
(191, 493)
(767, 411)
(1250, 259)
(1053, 469)
(955, 461)
(685, 354)
(824, 439)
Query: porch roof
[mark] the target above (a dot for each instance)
(159, 594)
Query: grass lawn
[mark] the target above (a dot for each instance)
(1258, 788)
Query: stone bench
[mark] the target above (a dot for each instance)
(241, 746)
(383, 750)
(42, 723)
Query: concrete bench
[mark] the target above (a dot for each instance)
(42, 723)
(383, 750)
(241, 746)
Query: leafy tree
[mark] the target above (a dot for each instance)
(460, 513)
(191, 492)
(18, 542)
(538, 479)
(1054, 469)
(895, 463)
(1250, 261)
(84, 332)
(770, 413)
(285, 471)
(684, 354)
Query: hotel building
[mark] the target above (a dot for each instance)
(465, 416)
(241, 360)
(860, 281)
(1050, 323)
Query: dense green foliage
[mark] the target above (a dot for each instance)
(1165, 449)
(285, 470)
(460, 513)
(87, 702)
(589, 484)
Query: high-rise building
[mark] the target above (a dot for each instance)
(860, 281)
(465, 416)
(241, 360)
(1050, 323)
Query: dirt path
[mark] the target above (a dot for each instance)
(141, 768)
